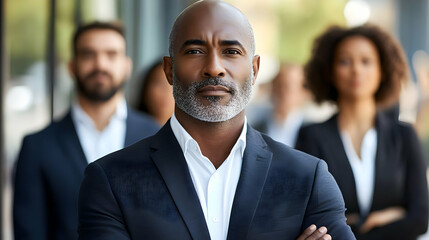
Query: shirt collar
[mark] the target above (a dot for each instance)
(185, 139)
(121, 110)
(80, 116)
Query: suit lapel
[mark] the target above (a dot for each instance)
(168, 158)
(256, 162)
(70, 143)
(382, 126)
(342, 167)
(131, 135)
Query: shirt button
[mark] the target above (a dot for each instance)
(215, 219)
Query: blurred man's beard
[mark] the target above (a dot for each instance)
(96, 92)
(188, 102)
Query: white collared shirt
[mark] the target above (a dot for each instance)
(95, 143)
(215, 187)
(363, 169)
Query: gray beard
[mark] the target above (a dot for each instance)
(187, 101)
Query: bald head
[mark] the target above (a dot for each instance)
(211, 14)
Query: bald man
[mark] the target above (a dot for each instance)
(207, 174)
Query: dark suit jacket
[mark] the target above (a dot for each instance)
(400, 173)
(145, 191)
(48, 175)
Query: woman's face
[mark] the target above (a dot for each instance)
(159, 96)
(357, 71)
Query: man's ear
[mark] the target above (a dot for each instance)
(255, 65)
(71, 68)
(167, 64)
(129, 66)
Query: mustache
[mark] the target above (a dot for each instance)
(214, 81)
(97, 72)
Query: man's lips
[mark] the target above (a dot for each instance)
(99, 76)
(214, 90)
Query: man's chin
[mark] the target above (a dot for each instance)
(215, 101)
(211, 113)
(98, 91)
(99, 96)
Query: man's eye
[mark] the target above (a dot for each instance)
(112, 54)
(86, 54)
(193, 52)
(232, 51)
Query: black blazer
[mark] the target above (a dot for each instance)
(48, 175)
(145, 191)
(400, 173)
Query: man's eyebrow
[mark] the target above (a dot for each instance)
(193, 42)
(202, 42)
(231, 43)
(84, 50)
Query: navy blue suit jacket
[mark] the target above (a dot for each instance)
(400, 174)
(49, 171)
(145, 191)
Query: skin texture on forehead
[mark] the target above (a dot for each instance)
(211, 14)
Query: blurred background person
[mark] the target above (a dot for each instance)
(156, 95)
(51, 162)
(288, 95)
(376, 160)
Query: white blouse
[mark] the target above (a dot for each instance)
(363, 169)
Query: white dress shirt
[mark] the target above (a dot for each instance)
(215, 187)
(95, 143)
(363, 169)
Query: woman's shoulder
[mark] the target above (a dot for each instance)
(396, 129)
(326, 126)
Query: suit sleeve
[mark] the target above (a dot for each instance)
(415, 222)
(30, 210)
(100, 216)
(326, 205)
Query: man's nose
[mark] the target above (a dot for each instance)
(213, 66)
(101, 62)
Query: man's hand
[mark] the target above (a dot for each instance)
(312, 233)
(382, 217)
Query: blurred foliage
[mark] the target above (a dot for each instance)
(87, 10)
(26, 32)
(27, 23)
(300, 22)
(293, 23)
(64, 29)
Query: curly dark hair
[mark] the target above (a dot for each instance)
(393, 64)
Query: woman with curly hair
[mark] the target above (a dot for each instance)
(376, 160)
